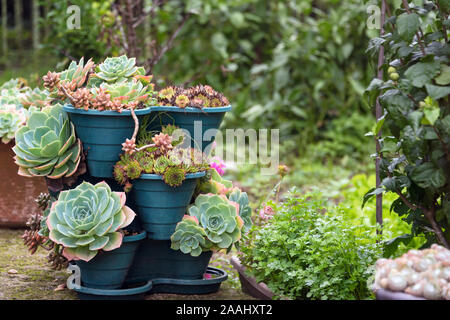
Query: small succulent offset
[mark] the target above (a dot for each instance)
(201, 96)
(47, 146)
(87, 219)
(220, 219)
(189, 237)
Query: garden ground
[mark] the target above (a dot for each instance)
(29, 277)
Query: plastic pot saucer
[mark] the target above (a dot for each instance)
(137, 293)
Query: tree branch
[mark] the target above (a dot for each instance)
(154, 60)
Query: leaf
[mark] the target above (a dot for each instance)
(407, 25)
(445, 123)
(444, 77)
(390, 246)
(422, 72)
(431, 115)
(372, 192)
(427, 175)
(437, 92)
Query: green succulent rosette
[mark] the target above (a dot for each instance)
(130, 90)
(11, 120)
(245, 211)
(47, 146)
(189, 237)
(219, 217)
(87, 219)
(118, 68)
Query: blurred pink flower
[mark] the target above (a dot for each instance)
(207, 276)
(266, 212)
(219, 165)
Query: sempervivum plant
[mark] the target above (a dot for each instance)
(201, 96)
(87, 219)
(11, 119)
(47, 146)
(423, 273)
(163, 156)
(220, 219)
(189, 237)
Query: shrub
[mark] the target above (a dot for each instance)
(307, 252)
(415, 145)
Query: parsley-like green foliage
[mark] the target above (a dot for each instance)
(307, 252)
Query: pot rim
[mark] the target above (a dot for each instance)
(154, 176)
(135, 237)
(125, 113)
(71, 109)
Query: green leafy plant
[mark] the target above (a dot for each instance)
(87, 219)
(309, 251)
(47, 145)
(414, 148)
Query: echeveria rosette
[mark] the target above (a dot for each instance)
(220, 219)
(118, 68)
(189, 237)
(47, 146)
(245, 212)
(11, 119)
(87, 219)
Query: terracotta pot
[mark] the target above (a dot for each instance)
(249, 285)
(17, 193)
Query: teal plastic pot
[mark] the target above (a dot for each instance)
(160, 207)
(155, 259)
(188, 118)
(102, 134)
(108, 269)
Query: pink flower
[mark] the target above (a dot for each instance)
(207, 276)
(266, 213)
(219, 165)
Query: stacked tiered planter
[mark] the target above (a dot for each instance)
(154, 267)
(85, 140)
